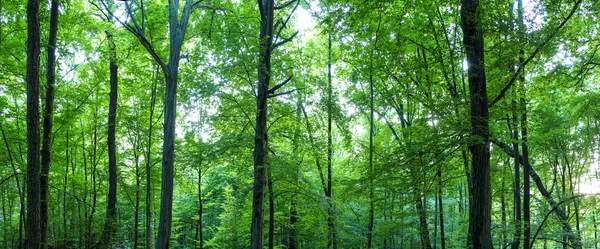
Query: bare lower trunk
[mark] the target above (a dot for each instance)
(32, 226)
(48, 113)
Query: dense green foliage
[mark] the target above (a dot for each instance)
(541, 74)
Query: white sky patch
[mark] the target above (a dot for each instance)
(590, 181)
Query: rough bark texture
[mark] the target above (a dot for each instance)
(48, 113)
(111, 207)
(32, 226)
(266, 8)
(479, 210)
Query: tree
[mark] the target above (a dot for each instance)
(33, 234)
(111, 206)
(48, 114)
(480, 207)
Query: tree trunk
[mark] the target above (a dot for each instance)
(32, 227)
(200, 208)
(111, 207)
(48, 113)
(517, 174)
(266, 8)
(149, 225)
(479, 210)
(177, 31)
(441, 206)
(330, 212)
(423, 229)
(138, 181)
(526, 179)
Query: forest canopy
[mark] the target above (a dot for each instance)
(299, 124)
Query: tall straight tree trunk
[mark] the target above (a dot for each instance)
(480, 208)
(330, 212)
(200, 231)
(517, 174)
(267, 8)
(149, 225)
(111, 207)
(138, 181)
(48, 113)
(32, 226)
(526, 179)
(441, 210)
(595, 229)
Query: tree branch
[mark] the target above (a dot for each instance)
(284, 41)
(272, 90)
(284, 93)
(285, 5)
(535, 52)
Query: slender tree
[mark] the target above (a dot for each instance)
(32, 226)
(110, 225)
(48, 113)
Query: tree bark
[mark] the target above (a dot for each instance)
(111, 207)
(149, 224)
(330, 212)
(32, 227)
(177, 31)
(138, 181)
(441, 206)
(480, 208)
(48, 113)
(423, 229)
(517, 174)
(266, 8)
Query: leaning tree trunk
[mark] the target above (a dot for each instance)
(111, 207)
(32, 226)
(266, 8)
(48, 112)
(479, 210)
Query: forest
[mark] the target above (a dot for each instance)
(293, 124)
